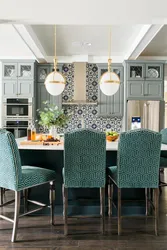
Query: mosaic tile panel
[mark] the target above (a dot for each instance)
(86, 115)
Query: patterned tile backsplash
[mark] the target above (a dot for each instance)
(86, 115)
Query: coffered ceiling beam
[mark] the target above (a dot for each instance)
(31, 40)
(145, 36)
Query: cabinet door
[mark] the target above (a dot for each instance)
(136, 71)
(104, 104)
(118, 102)
(26, 71)
(42, 72)
(43, 95)
(9, 88)
(154, 90)
(135, 89)
(154, 72)
(119, 71)
(25, 88)
(9, 71)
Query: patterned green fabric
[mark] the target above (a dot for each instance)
(32, 176)
(164, 141)
(138, 159)
(12, 175)
(84, 159)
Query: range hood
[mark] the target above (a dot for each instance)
(79, 86)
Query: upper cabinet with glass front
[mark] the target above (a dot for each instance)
(154, 71)
(26, 71)
(144, 71)
(21, 70)
(145, 80)
(18, 78)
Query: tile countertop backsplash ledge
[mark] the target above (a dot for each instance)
(86, 115)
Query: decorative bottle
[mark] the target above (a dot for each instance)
(29, 132)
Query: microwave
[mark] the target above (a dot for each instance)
(18, 107)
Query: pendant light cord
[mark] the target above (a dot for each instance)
(55, 59)
(109, 49)
(109, 45)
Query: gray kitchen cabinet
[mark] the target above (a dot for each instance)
(43, 95)
(17, 78)
(9, 88)
(111, 106)
(26, 71)
(25, 88)
(118, 102)
(153, 89)
(9, 71)
(135, 89)
(154, 71)
(135, 71)
(42, 71)
(144, 80)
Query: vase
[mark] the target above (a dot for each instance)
(53, 131)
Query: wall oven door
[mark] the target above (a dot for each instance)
(18, 107)
(17, 128)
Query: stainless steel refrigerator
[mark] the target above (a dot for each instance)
(145, 114)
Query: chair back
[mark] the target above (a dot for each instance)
(164, 135)
(164, 153)
(10, 163)
(139, 159)
(84, 159)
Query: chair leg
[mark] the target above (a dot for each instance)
(119, 211)
(2, 191)
(65, 209)
(102, 206)
(52, 201)
(156, 204)
(16, 215)
(100, 202)
(110, 197)
(25, 194)
(146, 198)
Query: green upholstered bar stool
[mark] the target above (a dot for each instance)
(19, 178)
(137, 167)
(163, 159)
(84, 166)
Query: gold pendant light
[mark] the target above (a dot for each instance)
(55, 81)
(109, 81)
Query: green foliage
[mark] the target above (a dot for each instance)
(52, 116)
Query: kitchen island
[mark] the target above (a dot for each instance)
(80, 202)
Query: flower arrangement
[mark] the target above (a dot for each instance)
(52, 116)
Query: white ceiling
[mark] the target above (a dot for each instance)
(18, 41)
(91, 12)
(158, 46)
(122, 36)
(12, 45)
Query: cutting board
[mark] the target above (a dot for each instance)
(39, 143)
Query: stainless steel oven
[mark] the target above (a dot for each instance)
(17, 127)
(18, 107)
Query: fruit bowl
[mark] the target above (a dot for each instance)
(111, 135)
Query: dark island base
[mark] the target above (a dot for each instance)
(81, 201)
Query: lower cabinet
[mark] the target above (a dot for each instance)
(111, 106)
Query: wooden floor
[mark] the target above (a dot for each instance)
(35, 232)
